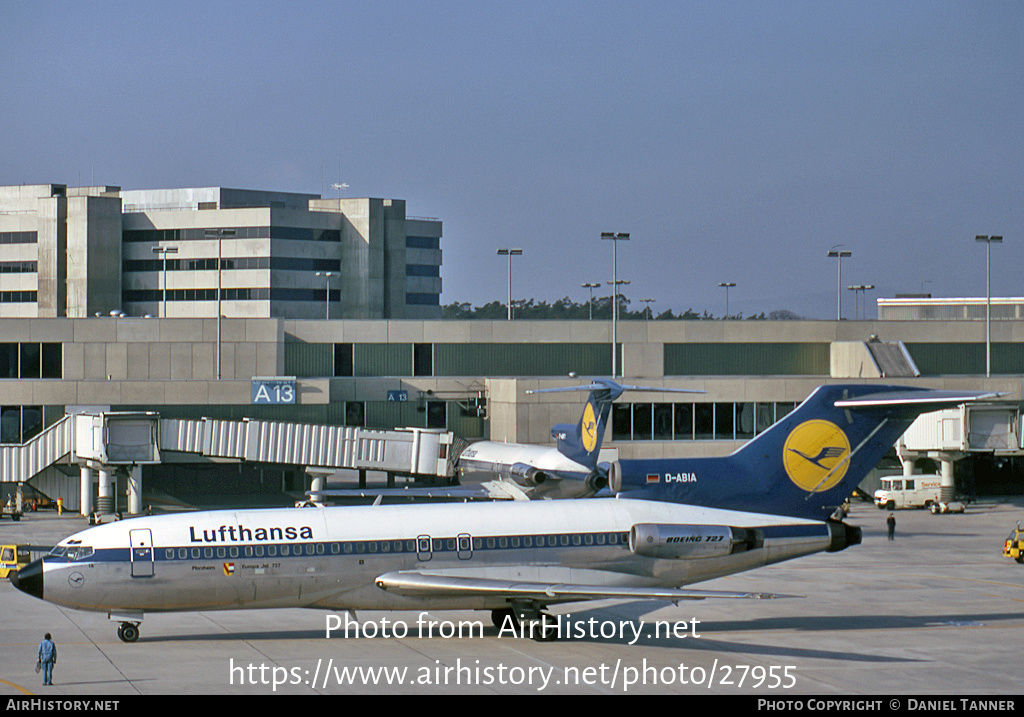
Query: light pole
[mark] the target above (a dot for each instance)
(989, 241)
(840, 255)
(510, 253)
(727, 285)
(648, 302)
(327, 275)
(165, 250)
(220, 234)
(860, 288)
(590, 303)
(615, 239)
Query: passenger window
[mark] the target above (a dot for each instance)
(910, 485)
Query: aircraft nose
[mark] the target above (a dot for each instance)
(30, 579)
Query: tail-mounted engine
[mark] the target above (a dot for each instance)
(691, 542)
(526, 475)
(842, 536)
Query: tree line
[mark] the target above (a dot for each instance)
(567, 309)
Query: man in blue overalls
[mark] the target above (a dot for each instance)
(47, 658)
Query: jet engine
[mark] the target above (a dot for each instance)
(691, 542)
(526, 475)
(843, 536)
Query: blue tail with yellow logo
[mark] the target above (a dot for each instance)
(804, 466)
(582, 442)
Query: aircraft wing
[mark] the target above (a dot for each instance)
(414, 583)
(489, 490)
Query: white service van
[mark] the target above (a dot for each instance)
(913, 491)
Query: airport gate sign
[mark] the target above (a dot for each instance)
(273, 390)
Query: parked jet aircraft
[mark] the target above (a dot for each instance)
(570, 469)
(513, 558)
(495, 470)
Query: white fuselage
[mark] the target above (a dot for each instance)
(329, 557)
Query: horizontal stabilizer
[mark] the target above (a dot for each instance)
(916, 398)
(616, 388)
(413, 583)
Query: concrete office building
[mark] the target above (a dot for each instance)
(81, 251)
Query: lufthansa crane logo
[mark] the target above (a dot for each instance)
(816, 455)
(589, 428)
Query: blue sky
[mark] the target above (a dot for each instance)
(734, 141)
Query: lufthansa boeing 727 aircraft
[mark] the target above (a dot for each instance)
(570, 468)
(513, 558)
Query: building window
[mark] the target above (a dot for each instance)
(436, 414)
(31, 360)
(18, 267)
(694, 421)
(703, 421)
(17, 297)
(20, 423)
(430, 270)
(19, 237)
(355, 414)
(422, 359)
(622, 422)
(412, 242)
(343, 365)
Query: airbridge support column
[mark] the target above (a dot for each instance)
(134, 490)
(947, 486)
(105, 499)
(85, 490)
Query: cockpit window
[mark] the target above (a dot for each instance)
(58, 551)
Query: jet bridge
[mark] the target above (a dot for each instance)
(955, 433)
(107, 442)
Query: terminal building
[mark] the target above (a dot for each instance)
(93, 324)
(79, 252)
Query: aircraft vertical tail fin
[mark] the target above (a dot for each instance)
(581, 442)
(805, 465)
